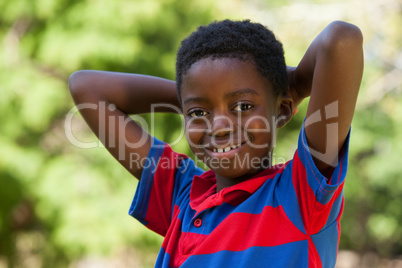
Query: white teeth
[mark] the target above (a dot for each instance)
(227, 149)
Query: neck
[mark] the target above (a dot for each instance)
(223, 182)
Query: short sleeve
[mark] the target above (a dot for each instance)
(165, 181)
(320, 199)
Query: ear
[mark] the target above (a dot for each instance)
(285, 111)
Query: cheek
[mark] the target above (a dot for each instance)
(194, 134)
(258, 126)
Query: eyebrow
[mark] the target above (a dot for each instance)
(240, 92)
(194, 99)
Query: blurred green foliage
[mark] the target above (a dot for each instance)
(60, 204)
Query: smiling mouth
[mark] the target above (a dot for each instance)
(225, 149)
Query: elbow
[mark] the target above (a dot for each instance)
(344, 37)
(77, 84)
(74, 81)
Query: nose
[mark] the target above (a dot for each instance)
(220, 126)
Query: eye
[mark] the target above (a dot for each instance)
(242, 107)
(197, 113)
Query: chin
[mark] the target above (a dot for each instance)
(232, 173)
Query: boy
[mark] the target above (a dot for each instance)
(235, 90)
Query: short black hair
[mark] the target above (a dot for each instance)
(243, 40)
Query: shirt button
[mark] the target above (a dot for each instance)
(198, 222)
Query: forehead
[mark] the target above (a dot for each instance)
(219, 76)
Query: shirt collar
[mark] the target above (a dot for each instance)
(203, 190)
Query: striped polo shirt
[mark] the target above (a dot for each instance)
(285, 216)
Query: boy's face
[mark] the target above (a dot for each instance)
(230, 113)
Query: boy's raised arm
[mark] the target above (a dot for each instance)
(330, 73)
(105, 99)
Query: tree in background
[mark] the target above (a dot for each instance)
(60, 203)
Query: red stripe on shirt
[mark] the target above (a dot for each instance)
(161, 197)
(321, 212)
(314, 260)
(305, 194)
(274, 228)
